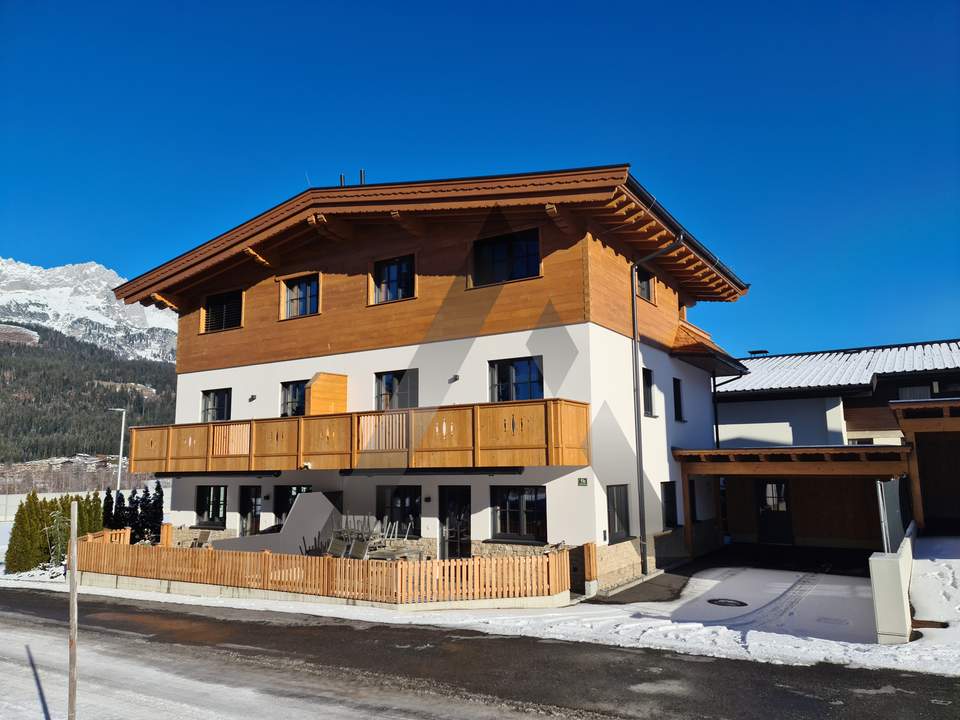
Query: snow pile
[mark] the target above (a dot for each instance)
(43, 574)
(935, 587)
(78, 301)
(790, 618)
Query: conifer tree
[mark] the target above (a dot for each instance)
(24, 551)
(120, 512)
(133, 517)
(145, 523)
(157, 508)
(108, 509)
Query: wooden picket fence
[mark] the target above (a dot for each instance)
(121, 537)
(388, 581)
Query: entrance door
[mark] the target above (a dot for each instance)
(938, 455)
(454, 521)
(774, 525)
(250, 504)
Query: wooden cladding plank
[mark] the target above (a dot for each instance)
(444, 307)
(326, 394)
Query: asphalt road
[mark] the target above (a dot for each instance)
(141, 659)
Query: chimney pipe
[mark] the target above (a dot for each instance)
(342, 180)
(363, 176)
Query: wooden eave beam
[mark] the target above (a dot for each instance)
(161, 300)
(257, 256)
(331, 227)
(412, 225)
(565, 220)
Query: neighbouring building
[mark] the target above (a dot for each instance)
(803, 439)
(475, 359)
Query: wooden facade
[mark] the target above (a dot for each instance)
(508, 434)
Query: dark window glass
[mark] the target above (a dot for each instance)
(216, 405)
(519, 513)
(645, 284)
(283, 497)
(668, 500)
(303, 296)
(212, 505)
(393, 279)
(397, 389)
(506, 257)
(293, 396)
(516, 379)
(678, 400)
(914, 392)
(618, 514)
(223, 311)
(400, 504)
(648, 392)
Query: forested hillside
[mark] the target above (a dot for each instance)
(55, 396)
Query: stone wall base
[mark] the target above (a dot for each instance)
(184, 535)
(621, 564)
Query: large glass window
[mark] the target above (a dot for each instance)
(283, 497)
(519, 513)
(212, 506)
(618, 514)
(397, 389)
(400, 504)
(293, 396)
(506, 257)
(393, 279)
(516, 379)
(223, 311)
(914, 392)
(302, 295)
(216, 405)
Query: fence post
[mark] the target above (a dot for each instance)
(265, 565)
(126, 536)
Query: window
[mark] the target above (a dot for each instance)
(400, 504)
(775, 497)
(645, 284)
(212, 505)
(397, 389)
(302, 296)
(283, 497)
(516, 379)
(506, 257)
(393, 279)
(668, 500)
(678, 400)
(223, 311)
(914, 392)
(216, 405)
(861, 441)
(293, 398)
(519, 513)
(648, 392)
(618, 514)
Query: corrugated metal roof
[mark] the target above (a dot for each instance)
(842, 368)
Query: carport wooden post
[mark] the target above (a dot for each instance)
(916, 495)
(687, 509)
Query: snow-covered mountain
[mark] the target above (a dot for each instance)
(78, 301)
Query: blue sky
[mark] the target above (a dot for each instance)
(815, 149)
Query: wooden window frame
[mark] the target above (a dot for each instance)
(471, 257)
(492, 365)
(653, 285)
(612, 491)
(243, 311)
(377, 395)
(372, 283)
(281, 281)
(203, 394)
(225, 494)
(286, 383)
(678, 413)
(495, 510)
(649, 404)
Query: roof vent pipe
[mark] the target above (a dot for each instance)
(342, 180)
(363, 176)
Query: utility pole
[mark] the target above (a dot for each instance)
(72, 692)
(123, 431)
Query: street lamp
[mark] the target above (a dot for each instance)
(123, 430)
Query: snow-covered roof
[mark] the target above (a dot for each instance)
(842, 368)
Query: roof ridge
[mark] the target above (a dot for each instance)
(921, 343)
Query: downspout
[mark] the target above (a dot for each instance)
(716, 417)
(637, 419)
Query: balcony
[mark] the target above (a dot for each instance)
(532, 433)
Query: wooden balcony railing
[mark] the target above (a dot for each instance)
(514, 434)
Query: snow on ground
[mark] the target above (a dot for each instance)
(790, 618)
(5, 528)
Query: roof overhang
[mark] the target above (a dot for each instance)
(605, 198)
(935, 415)
(695, 347)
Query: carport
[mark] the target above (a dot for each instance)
(813, 496)
(932, 429)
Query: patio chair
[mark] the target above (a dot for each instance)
(337, 547)
(358, 551)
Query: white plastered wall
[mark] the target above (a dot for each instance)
(799, 421)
